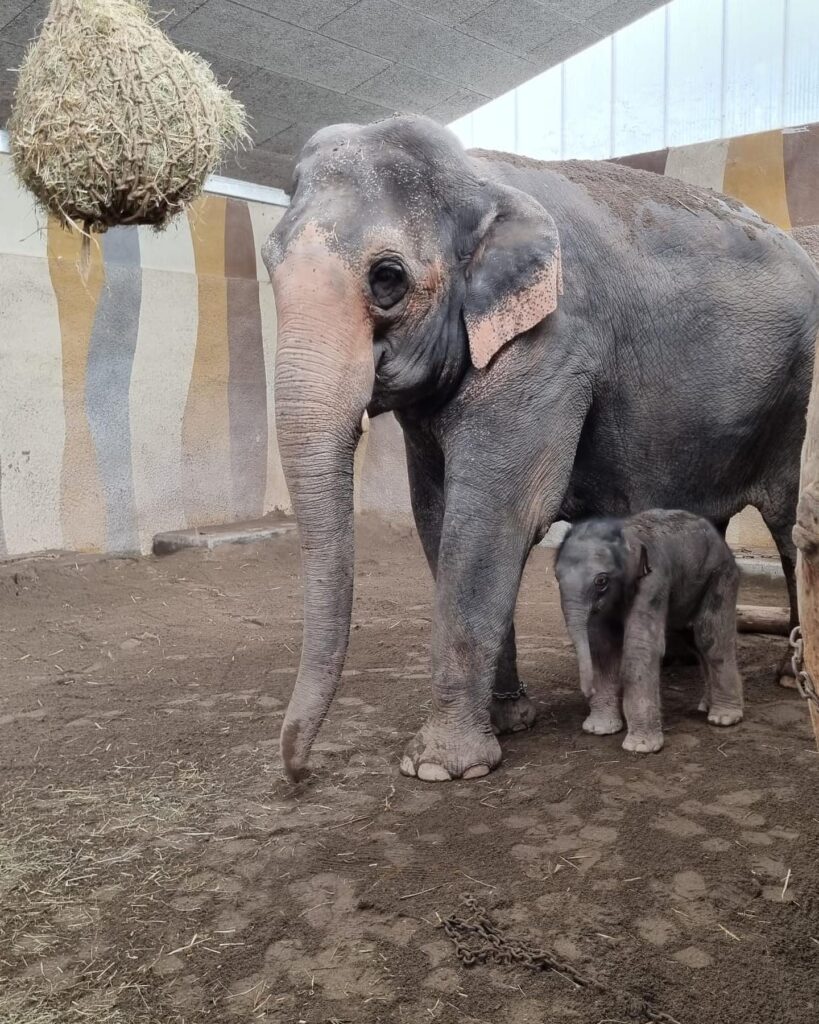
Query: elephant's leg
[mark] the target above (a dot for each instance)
(606, 649)
(680, 645)
(498, 494)
(511, 709)
(779, 517)
(480, 562)
(598, 667)
(715, 636)
(425, 471)
(643, 646)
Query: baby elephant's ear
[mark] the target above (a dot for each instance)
(514, 277)
(639, 565)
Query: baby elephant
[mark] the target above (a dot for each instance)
(623, 583)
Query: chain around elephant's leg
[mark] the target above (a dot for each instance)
(511, 709)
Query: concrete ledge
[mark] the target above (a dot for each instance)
(248, 532)
(752, 566)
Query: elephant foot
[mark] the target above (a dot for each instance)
(643, 742)
(724, 715)
(785, 676)
(603, 722)
(441, 752)
(511, 715)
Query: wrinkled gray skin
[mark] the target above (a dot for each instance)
(623, 583)
(412, 276)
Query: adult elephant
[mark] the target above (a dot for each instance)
(556, 340)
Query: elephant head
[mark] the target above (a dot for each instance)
(398, 269)
(599, 567)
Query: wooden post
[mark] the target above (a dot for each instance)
(806, 538)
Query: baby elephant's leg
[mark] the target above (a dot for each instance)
(643, 648)
(715, 634)
(606, 647)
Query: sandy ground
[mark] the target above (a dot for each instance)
(155, 867)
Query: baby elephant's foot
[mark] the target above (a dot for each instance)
(724, 716)
(603, 722)
(643, 742)
(442, 751)
(511, 715)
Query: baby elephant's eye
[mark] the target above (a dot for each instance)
(601, 582)
(388, 283)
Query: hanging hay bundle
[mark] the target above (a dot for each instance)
(112, 124)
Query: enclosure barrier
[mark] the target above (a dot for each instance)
(806, 538)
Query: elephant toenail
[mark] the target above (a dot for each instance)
(476, 771)
(433, 773)
(407, 767)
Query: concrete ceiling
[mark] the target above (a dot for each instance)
(301, 64)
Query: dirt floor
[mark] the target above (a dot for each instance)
(155, 866)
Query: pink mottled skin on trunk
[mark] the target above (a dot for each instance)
(324, 380)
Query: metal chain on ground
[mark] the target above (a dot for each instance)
(491, 945)
(804, 682)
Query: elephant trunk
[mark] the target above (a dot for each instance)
(324, 380)
(576, 615)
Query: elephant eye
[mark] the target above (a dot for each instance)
(601, 582)
(388, 283)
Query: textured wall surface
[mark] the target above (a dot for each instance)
(138, 396)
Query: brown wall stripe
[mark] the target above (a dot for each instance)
(206, 427)
(247, 382)
(82, 503)
(654, 161)
(801, 157)
(755, 174)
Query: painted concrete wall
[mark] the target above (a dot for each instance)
(136, 394)
(138, 397)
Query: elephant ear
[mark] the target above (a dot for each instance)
(639, 564)
(514, 277)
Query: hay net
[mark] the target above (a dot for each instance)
(111, 123)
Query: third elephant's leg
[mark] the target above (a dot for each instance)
(511, 709)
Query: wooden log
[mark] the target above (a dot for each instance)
(806, 538)
(755, 618)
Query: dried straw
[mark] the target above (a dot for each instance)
(111, 123)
